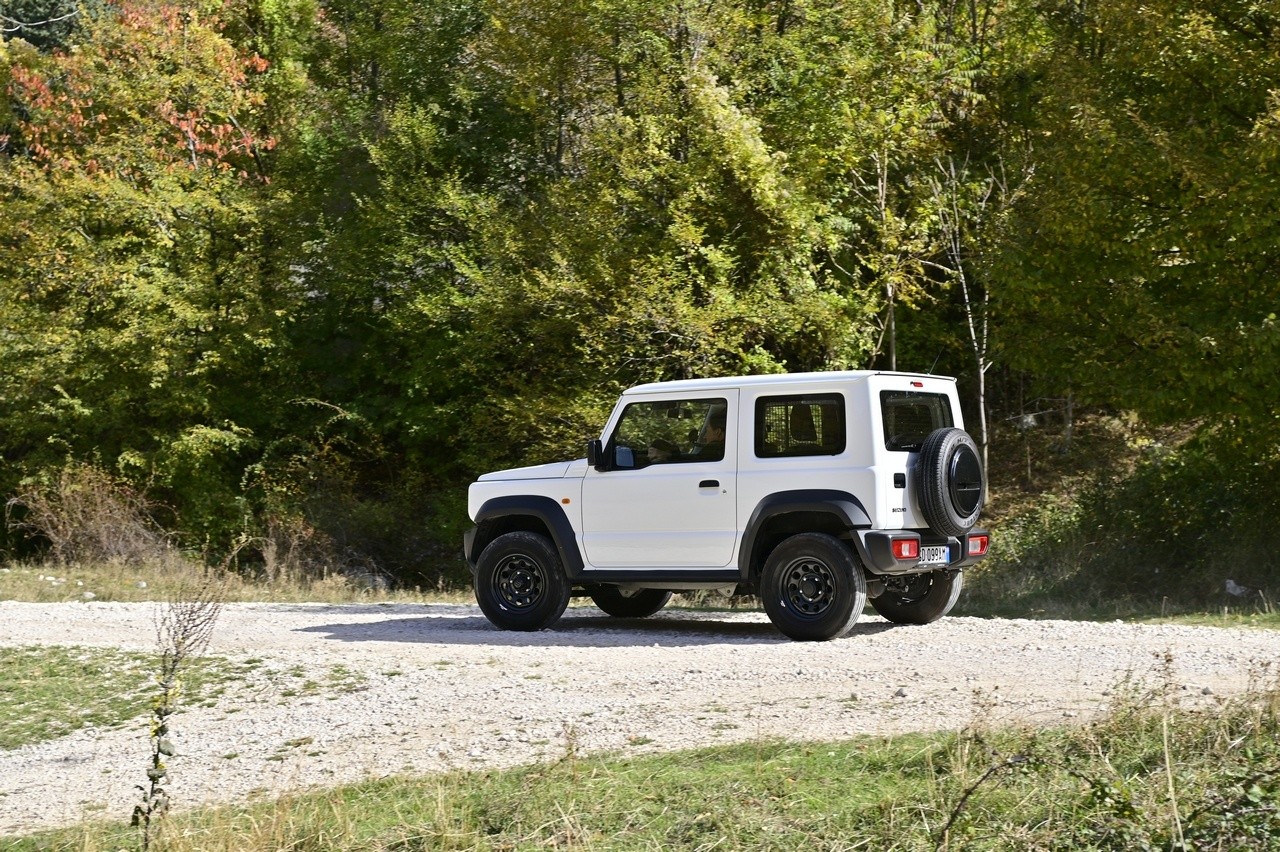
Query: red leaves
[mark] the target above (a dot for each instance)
(156, 82)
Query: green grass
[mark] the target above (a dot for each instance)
(1149, 775)
(136, 582)
(48, 692)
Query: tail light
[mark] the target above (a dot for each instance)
(906, 548)
(978, 544)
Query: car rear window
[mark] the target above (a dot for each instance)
(909, 417)
(811, 425)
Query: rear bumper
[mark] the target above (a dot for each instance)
(876, 549)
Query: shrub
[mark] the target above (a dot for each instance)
(1164, 537)
(86, 515)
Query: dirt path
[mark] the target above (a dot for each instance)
(338, 693)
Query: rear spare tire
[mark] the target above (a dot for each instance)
(949, 481)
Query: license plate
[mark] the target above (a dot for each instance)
(935, 555)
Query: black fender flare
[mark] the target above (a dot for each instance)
(547, 511)
(847, 510)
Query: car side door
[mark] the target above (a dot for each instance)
(666, 496)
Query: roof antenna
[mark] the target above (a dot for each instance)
(934, 365)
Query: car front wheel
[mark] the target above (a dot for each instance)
(813, 588)
(624, 603)
(520, 583)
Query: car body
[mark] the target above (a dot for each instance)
(697, 484)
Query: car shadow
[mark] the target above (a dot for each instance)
(680, 629)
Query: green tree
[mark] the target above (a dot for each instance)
(1140, 267)
(45, 24)
(141, 301)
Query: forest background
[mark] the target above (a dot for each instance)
(289, 273)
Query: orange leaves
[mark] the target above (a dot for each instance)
(155, 83)
(210, 141)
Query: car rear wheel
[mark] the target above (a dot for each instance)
(919, 598)
(812, 587)
(520, 583)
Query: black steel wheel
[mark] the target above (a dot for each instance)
(520, 584)
(629, 603)
(812, 587)
(919, 598)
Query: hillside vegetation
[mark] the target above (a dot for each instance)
(278, 277)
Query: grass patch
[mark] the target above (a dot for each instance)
(159, 581)
(1148, 775)
(48, 692)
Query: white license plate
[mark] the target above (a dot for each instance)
(935, 555)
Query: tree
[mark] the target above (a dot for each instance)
(45, 24)
(140, 291)
(1144, 247)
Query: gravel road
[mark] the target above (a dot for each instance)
(335, 694)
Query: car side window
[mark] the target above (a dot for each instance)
(810, 425)
(669, 432)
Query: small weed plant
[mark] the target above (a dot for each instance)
(184, 627)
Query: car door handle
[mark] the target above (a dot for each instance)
(709, 483)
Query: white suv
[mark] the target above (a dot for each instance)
(814, 491)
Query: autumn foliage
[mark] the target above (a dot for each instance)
(312, 264)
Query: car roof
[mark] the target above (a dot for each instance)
(781, 379)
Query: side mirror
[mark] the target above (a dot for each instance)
(595, 454)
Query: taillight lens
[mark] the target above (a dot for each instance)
(978, 544)
(906, 548)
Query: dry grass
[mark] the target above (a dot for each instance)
(151, 581)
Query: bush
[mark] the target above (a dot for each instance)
(1165, 537)
(83, 514)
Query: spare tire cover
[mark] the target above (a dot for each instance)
(949, 481)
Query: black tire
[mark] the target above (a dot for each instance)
(950, 482)
(812, 587)
(520, 583)
(919, 598)
(622, 603)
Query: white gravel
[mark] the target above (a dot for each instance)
(342, 693)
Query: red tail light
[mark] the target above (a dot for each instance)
(978, 544)
(906, 548)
